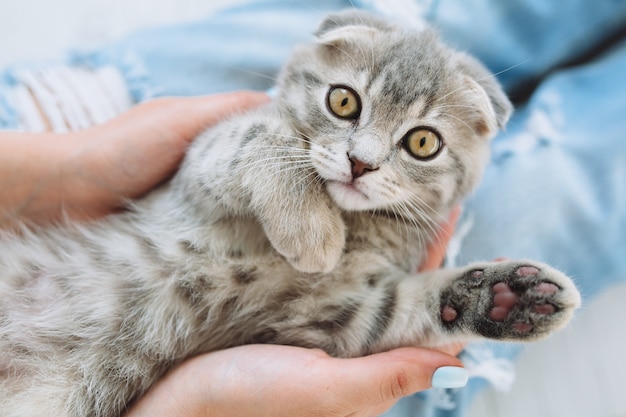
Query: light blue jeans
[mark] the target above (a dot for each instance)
(555, 190)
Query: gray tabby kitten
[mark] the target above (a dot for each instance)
(300, 223)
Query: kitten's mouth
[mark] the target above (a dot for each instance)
(349, 187)
(348, 195)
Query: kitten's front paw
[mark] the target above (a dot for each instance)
(322, 257)
(311, 244)
(513, 300)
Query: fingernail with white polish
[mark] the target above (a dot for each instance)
(449, 377)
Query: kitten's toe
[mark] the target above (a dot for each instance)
(311, 242)
(510, 300)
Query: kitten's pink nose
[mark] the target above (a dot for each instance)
(359, 168)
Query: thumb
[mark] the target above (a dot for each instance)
(183, 117)
(213, 108)
(389, 376)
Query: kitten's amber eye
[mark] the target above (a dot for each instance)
(422, 143)
(343, 102)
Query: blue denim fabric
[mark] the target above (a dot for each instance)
(527, 38)
(556, 187)
(522, 39)
(241, 47)
(8, 118)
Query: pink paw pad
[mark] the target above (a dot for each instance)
(448, 314)
(547, 288)
(544, 309)
(523, 327)
(527, 271)
(503, 301)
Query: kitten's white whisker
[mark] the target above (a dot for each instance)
(284, 151)
(416, 209)
(402, 220)
(491, 75)
(460, 120)
(330, 166)
(494, 75)
(306, 178)
(432, 225)
(268, 164)
(299, 138)
(347, 54)
(463, 106)
(278, 161)
(258, 74)
(286, 170)
(291, 157)
(288, 148)
(281, 159)
(283, 166)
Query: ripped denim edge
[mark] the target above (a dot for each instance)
(9, 119)
(61, 96)
(132, 68)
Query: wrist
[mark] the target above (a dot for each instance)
(83, 185)
(45, 177)
(30, 174)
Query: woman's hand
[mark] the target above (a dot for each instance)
(285, 381)
(46, 177)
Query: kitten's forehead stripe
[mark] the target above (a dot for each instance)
(412, 77)
(311, 78)
(427, 106)
(371, 80)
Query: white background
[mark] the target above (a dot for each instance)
(44, 29)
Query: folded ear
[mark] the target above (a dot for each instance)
(496, 104)
(351, 17)
(349, 24)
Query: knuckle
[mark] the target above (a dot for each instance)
(398, 386)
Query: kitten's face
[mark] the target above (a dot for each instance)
(375, 158)
(392, 119)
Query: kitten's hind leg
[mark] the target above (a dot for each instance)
(366, 309)
(510, 300)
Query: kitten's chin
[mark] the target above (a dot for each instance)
(349, 197)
